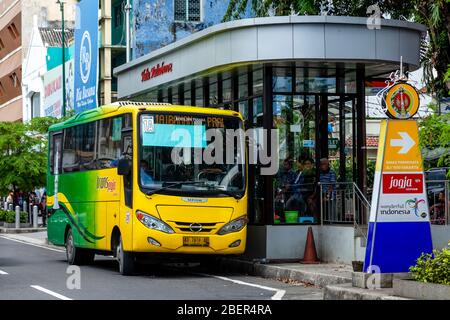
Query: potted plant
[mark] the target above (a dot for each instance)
(2, 217)
(10, 219)
(430, 277)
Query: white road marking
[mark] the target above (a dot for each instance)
(32, 244)
(278, 292)
(3, 272)
(52, 293)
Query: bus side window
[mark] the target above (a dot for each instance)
(127, 147)
(109, 140)
(55, 152)
(70, 156)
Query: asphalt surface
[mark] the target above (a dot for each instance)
(41, 273)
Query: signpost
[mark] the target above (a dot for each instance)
(399, 224)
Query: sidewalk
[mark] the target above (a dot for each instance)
(22, 230)
(319, 275)
(34, 238)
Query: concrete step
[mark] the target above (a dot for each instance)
(21, 230)
(348, 292)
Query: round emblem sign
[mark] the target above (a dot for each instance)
(85, 57)
(402, 101)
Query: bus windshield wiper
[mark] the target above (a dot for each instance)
(235, 195)
(175, 184)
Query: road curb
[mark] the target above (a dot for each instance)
(317, 279)
(348, 292)
(21, 230)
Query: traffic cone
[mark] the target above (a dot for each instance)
(310, 255)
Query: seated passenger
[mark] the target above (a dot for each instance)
(146, 178)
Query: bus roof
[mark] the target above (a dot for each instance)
(121, 107)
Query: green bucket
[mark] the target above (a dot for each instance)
(291, 216)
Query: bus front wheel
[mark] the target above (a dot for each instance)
(77, 256)
(125, 260)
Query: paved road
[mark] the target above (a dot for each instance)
(39, 272)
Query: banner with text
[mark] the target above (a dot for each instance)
(399, 224)
(53, 90)
(86, 55)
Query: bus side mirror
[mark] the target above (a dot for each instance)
(123, 167)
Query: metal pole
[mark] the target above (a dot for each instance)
(35, 216)
(61, 3)
(17, 217)
(5, 205)
(127, 30)
(11, 207)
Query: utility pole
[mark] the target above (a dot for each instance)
(105, 53)
(127, 30)
(63, 48)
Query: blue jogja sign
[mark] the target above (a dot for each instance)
(86, 55)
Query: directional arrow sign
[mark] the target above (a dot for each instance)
(406, 143)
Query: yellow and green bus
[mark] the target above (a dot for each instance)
(130, 180)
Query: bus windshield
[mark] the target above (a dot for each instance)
(185, 154)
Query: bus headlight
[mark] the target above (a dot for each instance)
(234, 226)
(153, 223)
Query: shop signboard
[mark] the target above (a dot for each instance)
(399, 224)
(86, 55)
(53, 92)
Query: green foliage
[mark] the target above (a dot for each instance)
(23, 154)
(433, 268)
(10, 216)
(435, 133)
(2, 215)
(371, 164)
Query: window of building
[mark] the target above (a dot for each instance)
(118, 16)
(227, 90)
(315, 80)
(213, 91)
(14, 79)
(199, 93)
(282, 80)
(187, 94)
(35, 105)
(187, 10)
(13, 31)
(243, 86)
(258, 82)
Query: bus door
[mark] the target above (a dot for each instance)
(126, 205)
(53, 185)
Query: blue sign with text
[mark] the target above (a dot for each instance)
(86, 55)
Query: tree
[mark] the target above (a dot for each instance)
(434, 133)
(433, 14)
(23, 154)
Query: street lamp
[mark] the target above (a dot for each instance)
(63, 47)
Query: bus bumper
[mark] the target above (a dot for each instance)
(155, 241)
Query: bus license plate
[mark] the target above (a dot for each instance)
(196, 241)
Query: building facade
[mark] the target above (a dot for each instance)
(304, 76)
(42, 42)
(10, 60)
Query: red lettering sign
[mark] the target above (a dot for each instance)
(156, 71)
(402, 183)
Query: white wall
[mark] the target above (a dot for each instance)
(33, 69)
(441, 236)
